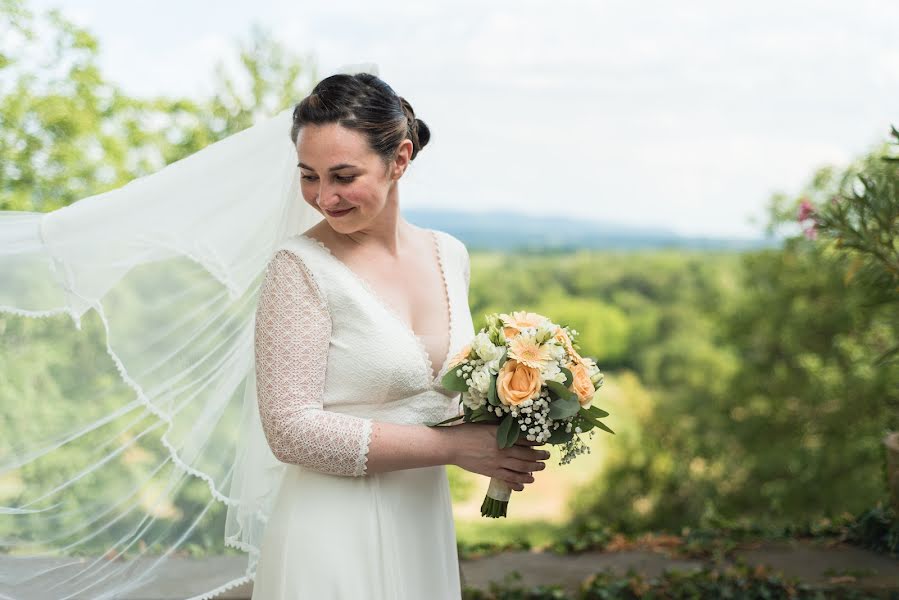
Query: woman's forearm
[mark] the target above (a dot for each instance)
(395, 446)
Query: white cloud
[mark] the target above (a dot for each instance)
(670, 114)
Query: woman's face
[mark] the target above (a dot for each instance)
(340, 172)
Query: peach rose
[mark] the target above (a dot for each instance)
(517, 382)
(581, 385)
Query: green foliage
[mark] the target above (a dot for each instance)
(511, 588)
(507, 432)
(861, 221)
(69, 133)
(876, 528)
(621, 303)
(739, 581)
(770, 405)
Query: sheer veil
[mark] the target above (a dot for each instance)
(155, 448)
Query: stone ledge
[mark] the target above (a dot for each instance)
(810, 562)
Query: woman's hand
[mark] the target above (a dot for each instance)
(474, 448)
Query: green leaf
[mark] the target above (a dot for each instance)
(453, 382)
(568, 376)
(482, 414)
(583, 422)
(560, 390)
(596, 412)
(507, 432)
(491, 392)
(560, 436)
(604, 427)
(486, 417)
(590, 417)
(563, 408)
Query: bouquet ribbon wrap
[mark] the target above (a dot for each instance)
(499, 490)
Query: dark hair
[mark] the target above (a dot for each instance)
(366, 103)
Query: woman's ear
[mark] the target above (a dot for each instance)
(402, 159)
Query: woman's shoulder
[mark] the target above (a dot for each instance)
(302, 256)
(304, 245)
(457, 246)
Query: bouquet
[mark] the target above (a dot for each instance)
(524, 372)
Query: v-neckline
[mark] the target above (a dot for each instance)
(428, 367)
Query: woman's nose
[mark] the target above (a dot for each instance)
(327, 197)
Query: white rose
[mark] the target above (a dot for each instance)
(473, 399)
(485, 348)
(545, 331)
(551, 371)
(558, 377)
(556, 351)
(480, 379)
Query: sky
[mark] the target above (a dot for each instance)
(684, 116)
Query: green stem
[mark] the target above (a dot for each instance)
(493, 508)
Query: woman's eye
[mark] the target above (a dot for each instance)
(346, 179)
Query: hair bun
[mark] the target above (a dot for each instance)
(419, 132)
(424, 133)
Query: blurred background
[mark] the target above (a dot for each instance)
(703, 191)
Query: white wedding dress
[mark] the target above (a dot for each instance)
(331, 358)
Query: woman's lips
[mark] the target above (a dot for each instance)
(339, 213)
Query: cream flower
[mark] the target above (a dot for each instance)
(460, 356)
(519, 320)
(552, 371)
(473, 399)
(526, 350)
(480, 379)
(486, 349)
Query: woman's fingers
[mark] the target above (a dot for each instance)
(527, 442)
(531, 454)
(515, 479)
(523, 466)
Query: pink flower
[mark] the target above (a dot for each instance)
(806, 209)
(810, 232)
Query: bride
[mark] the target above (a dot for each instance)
(282, 333)
(345, 380)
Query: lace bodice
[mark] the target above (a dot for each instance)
(331, 357)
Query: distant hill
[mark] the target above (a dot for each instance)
(497, 230)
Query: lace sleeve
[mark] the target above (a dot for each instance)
(292, 335)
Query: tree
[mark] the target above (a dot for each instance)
(776, 414)
(67, 132)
